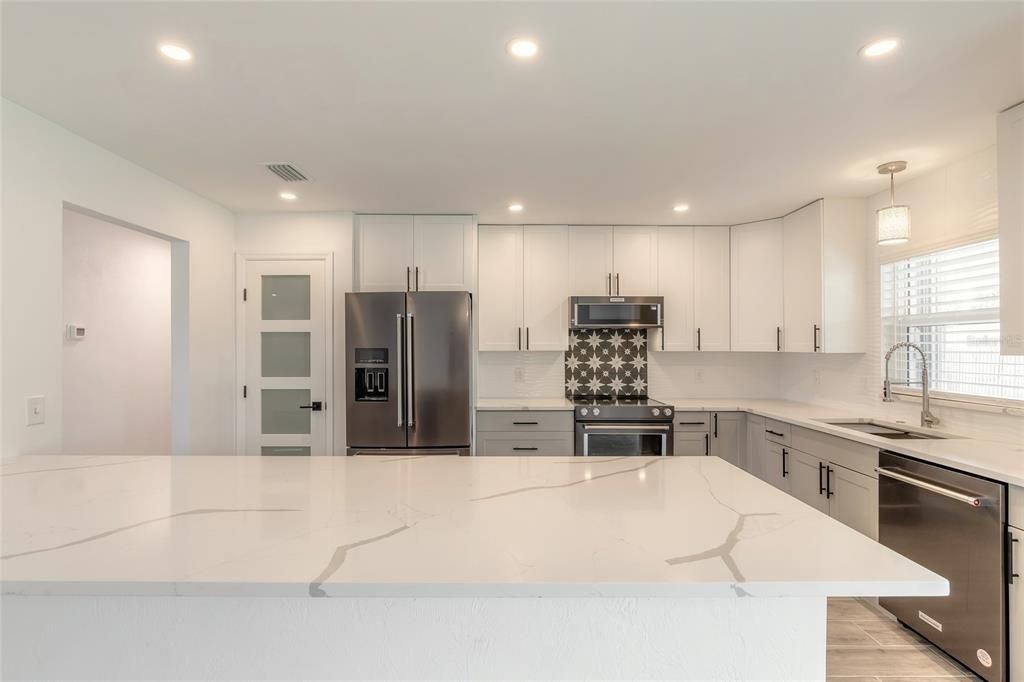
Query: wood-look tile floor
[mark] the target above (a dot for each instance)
(866, 645)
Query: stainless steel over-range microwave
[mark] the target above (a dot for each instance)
(616, 312)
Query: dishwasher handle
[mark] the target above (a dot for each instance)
(966, 498)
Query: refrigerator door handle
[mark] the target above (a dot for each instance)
(410, 371)
(398, 375)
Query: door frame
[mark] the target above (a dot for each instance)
(241, 261)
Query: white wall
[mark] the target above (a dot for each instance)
(55, 166)
(117, 380)
(309, 233)
(949, 205)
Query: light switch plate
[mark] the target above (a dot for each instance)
(35, 410)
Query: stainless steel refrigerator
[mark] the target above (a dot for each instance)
(408, 372)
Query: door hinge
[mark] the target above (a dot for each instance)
(245, 294)
(245, 391)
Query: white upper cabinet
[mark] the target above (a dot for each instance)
(590, 260)
(414, 253)
(500, 287)
(711, 286)
(756, 291)
(1010, 178)
(546, 287)
(523, 288)
(635, 261)
(385, 252)
(443, 253)
(676, 284)
(801, 283)
(824, 251)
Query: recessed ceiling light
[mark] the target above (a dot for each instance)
(681, 208)
(522, 48)
(288, 196)
(879, 47)
(515, 208)
(175, 52)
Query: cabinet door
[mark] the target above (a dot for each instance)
(756, 447)
(690, 444)
(756, 277)
(546, 287)
(443, 253)
(1010, 179)
(807, 479)
(801, 278)
(1016, 605)
(777, 463)
(635, 259)
(675, 284)
(854, 499)
(500, 294)
(385, 252)
(728, 437)
(711, 283)
(590, 260)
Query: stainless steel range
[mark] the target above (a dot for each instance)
(616, 426)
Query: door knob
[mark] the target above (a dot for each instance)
(316, 406)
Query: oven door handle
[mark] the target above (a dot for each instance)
(972, 500)
(627, 427)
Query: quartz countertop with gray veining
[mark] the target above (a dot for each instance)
(416, 526)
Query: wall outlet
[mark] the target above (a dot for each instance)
(698, 375)
(35, 410)
(520, 375)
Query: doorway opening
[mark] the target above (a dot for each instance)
(125, 350)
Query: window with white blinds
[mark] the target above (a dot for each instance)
(947, 302)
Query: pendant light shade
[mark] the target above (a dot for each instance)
(893, 220)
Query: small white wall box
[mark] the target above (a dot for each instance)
(76, 333)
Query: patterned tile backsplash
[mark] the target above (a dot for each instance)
(606, 362)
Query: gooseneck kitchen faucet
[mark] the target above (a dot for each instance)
(927, 418)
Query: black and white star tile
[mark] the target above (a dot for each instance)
(606, 362)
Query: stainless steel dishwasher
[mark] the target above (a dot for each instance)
(954, 524)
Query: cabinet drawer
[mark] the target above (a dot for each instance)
(846, 453)
(524, 420)
(777, 432)
(690, 443)
(692, 421)
(551, 444)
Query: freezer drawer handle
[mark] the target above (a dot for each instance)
(972, 500)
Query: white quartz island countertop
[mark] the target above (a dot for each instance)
(436, 526)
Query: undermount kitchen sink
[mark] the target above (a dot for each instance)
(889, 430)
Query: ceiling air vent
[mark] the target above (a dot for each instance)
(286, 172)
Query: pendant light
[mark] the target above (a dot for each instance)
(893, 220)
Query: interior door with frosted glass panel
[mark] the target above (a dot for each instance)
(286, 363)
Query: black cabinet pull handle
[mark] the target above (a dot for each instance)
(707, 446)
(774, 433)
(828, 482)
(1010, 575)
(691, 423)
(417, 278)
(524, 448)
(698, 338)
(315, 406)
(618, 291)
(817, 346)
(821, 480)
(520, 337)
(785, 471)
(778, 338)
(716, 424)
(527, 338)
(609, 284)
(524, 423)
(408, 274)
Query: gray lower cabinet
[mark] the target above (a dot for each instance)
(728, 437)
(1016, 605)
(690, 444)
(777, 466)
(807, 479)
(525, 432)
(757, 453)
(853, 500)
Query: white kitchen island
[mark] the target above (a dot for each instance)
(421, 568)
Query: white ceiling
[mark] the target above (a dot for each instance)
(741, 110)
